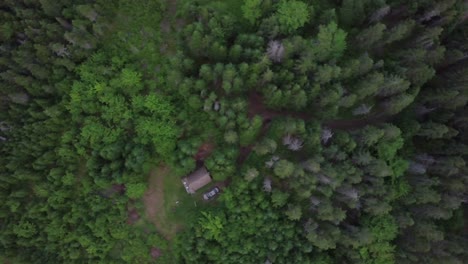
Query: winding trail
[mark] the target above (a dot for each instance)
(257, 107)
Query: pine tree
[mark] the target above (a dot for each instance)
(330, 42)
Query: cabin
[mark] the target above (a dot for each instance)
(196, 180)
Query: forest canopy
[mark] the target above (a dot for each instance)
(334, 131)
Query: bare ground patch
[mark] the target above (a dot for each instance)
(204, 151)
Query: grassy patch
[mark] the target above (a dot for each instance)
(178, 205)
(189, 206)
(167, 204)
(165, 199)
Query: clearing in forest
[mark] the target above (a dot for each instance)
(166, 203)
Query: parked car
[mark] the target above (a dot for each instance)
(211, 193)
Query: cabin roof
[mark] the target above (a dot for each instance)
(196, 180)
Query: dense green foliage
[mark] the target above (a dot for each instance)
(75, 125)
(337, 130)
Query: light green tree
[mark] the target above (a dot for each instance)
(279, 198)
(330, 42)
(294, 212)
(265, 146)
(292, 14)
(212, 225)
(25, 229)
(283, 169)
(252, 10)
(251, 174)
(231, 137)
